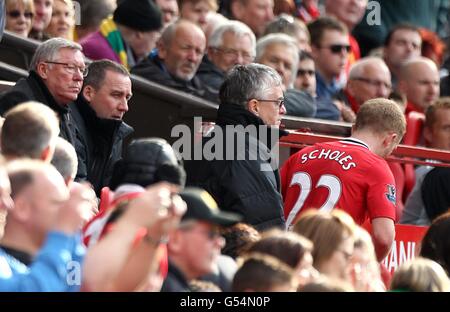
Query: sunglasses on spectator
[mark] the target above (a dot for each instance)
(304, 72)
(17, 13)
(337, 48)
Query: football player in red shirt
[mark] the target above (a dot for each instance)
(350, 174)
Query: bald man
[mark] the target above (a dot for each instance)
(419, 82)
(369, 78)
(180, 52)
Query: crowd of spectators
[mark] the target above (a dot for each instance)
(82, 210)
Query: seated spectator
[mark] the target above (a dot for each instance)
(436, 135)
(306, 74)
(65, 160)
(56, 76)
(29, 131)
(128, 36)
(195, 245)
(231, 44)
(98, 114)
(256, 14)
(43, 15)
(433, 245)
(62, 22)
(402, 44)
(293, 27)
(264, 273)
(92, 13)
(40, 237)
(271, 51)
(333, 237)
(369, 78)
(291, 249)
(349, 13)
(330, 49)
(419, 82)
(169, 10)
(238, 238)
(197, 11)
(180, 51)
(420, 275)
(19, 16)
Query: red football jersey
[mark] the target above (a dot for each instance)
(343, 174)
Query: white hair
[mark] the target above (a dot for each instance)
(235, 27)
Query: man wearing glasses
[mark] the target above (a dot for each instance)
(369, 78)
(241, 175)
(230, 44)
(330, 49)
(56, 76)
(194, 247)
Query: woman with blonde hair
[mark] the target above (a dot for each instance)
(63, 20)
(332, 234)
(19, 16)
(420, 275)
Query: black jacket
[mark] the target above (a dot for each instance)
(33, 88)
(248, 186)
(175, 280)
(210, 75)
(153, 69)
(98, 144)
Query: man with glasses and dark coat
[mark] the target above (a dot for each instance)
(56, 76)
(240, 171)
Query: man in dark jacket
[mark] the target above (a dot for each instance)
(55, 79)
(180, 51)
(242, 174)
(98, 114)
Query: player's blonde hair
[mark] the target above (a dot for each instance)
(381, 115)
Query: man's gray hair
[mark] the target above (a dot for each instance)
(49, 50)
(237, 28)
(28, 130)
(357, 68)
(279, 38)
(246, 82)
(65, 159)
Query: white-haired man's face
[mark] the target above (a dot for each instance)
(234, 50)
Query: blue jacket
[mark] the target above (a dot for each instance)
(57, 267)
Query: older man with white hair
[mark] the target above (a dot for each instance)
(369, 78)
(230, 44)
(280, 52)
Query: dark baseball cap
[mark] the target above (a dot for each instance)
(201, 206)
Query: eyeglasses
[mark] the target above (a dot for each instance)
(72, 69)
(17, 13)
(375, 83)
(235, 54)
(303, 72)
(279, 102)
(337, 48)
